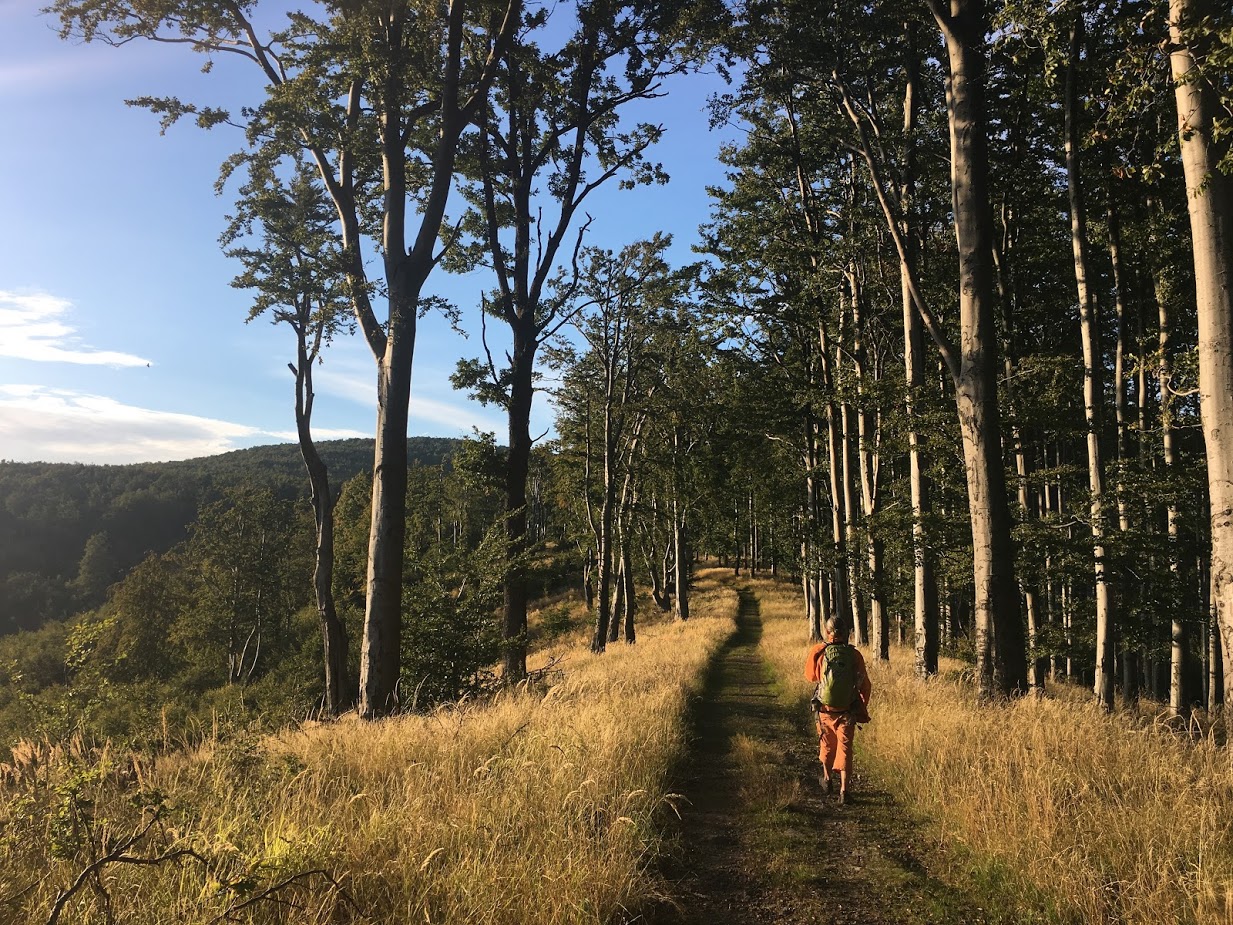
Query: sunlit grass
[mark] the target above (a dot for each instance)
(541, 807)
(1113, 820)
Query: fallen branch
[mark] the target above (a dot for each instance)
(269, 894)
(117, 856)
(12, 898)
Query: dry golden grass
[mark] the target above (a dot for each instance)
(537, 808)
(1114, 821)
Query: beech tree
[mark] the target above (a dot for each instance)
(377, 96)
(295, 273)
(1208, 162)
(550, 136)
(607, 402)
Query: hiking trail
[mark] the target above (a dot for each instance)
(760, 841)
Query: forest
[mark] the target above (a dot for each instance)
(954, 363)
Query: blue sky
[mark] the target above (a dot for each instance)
(121, 339)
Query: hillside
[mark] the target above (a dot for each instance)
(671, 782)
(51, 514)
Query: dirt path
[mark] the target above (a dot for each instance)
(759, 840)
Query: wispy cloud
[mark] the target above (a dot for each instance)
(459, 417)
(54, 425)
(357, 383)
(32, 327)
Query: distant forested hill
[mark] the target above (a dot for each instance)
(68, 531)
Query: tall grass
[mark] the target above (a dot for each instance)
(541, 807)
(1112, 820)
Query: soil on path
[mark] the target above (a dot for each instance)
(759, 840)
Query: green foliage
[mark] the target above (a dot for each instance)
(451, 638)
(556, 621)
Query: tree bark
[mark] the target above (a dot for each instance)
(605, 564)
(925, 589)
(1093, 380)
(631, 602)
(1000, 658)
(518, 464)
(618, 592)
(333, 634)
(847, 474)
(380, 654)
(834, 442)
(1178, 645)
(680, 536)
(870, 461)
(1210, 203)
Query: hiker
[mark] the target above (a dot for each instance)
(840, 701)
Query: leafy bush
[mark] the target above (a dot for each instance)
(451, 638)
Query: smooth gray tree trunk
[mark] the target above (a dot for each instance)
(1093, 380)
(1001, 664)
(1210, 203)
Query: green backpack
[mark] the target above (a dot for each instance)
(837, 688)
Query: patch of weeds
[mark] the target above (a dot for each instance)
(1006, 898)
(952, 882)
(765, 786)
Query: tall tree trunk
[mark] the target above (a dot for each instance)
(680, 536)
(517, 467)
(1093, 385)
(1119, 360)
(848, 474)
(751, 555)
(1178, 646)
(631, 602)
(657, 571)
(1037, 666)
(623, 611)
(333, 633)
(834, 442)
(380, 653)
(924, 586)
(1001, 664)
(869, 457)
(605, 561)
(680, 543)
(1130, 655)
(1215, 659)
(406, 270)
(1210, 203)
(618, 592)
(815, 614)
(588, 577)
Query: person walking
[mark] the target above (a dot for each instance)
(840, 701)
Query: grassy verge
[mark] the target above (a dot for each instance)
(1045, 806)
(542, 807)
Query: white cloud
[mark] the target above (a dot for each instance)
(347, 380)
(54, 425)
(32, 328)
(359, 385)
(459, 416)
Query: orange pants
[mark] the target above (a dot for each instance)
(835, 747)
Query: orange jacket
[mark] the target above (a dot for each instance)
(813, 670)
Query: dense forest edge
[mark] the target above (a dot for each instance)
(70, 531)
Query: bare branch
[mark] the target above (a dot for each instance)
(270, 892)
